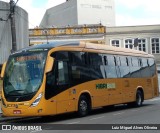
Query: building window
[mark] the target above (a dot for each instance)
(142, 45)
(129, 43)
(155, 45)
(115, 43)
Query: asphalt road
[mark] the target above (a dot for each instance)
(123, 115)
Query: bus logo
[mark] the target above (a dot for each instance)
(106, 86)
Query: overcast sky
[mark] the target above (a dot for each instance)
(128, 12)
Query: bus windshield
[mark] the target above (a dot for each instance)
(24, 73)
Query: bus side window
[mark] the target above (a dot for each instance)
(96, 66)
(145, 68)
(110, 66)
(135, 68)
(63, 75)
(79, 67)
(124, 67)
(152, 66)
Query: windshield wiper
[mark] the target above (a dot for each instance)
(17, 92)
(20, 94)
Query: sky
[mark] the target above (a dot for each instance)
(128, 12)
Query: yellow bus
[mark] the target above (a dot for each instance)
(62, 77)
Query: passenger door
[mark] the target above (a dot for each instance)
(64, 98)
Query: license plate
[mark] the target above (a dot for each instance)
(16, 111)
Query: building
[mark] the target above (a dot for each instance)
(80, 12)
(148, 39)
(72, 33)
(21, 18)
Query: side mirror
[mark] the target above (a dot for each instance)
(3, 70)
(49, 64)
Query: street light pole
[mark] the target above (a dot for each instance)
(46, 32)
(13, 27)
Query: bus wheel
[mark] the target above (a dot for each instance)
(139, 99)
(83, 106)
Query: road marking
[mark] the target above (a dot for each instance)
(74, 122)
(119, 113)
(97, 118)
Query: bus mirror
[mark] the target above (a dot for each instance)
(49, 64)
(3, 70)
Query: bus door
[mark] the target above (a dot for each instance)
(65, 102)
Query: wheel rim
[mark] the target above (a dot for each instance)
(83, 106)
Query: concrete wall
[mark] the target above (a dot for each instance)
(21, 17)
(79, 12)
(96, 11)
(62, 15)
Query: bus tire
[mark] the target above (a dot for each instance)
(83, 106)
(139, 99)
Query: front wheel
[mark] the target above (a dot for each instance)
(83, 106)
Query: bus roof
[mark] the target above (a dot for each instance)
(84, 45)
(49, 46)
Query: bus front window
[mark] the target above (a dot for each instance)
(24, 74)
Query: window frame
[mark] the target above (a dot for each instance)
(115, 45)
(155, 47)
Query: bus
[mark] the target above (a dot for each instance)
(63, 77)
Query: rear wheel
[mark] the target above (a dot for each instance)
(139, 99)
(83, 106)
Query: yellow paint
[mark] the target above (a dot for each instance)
(120, 90)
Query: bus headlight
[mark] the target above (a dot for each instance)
(37, 100)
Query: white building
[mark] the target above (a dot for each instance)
(124, 36)
(79, 12)
(21, 18)
(148, 39)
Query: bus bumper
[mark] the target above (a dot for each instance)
(31, 111)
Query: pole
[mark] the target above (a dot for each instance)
(13, 27)
(46, 32)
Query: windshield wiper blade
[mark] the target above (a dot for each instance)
(20, 94)
(17, 92)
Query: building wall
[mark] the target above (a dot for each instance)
(21, 17)
(149, 37)
(96, 11)
(150, 34)
(62, 15)
(79, 12)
